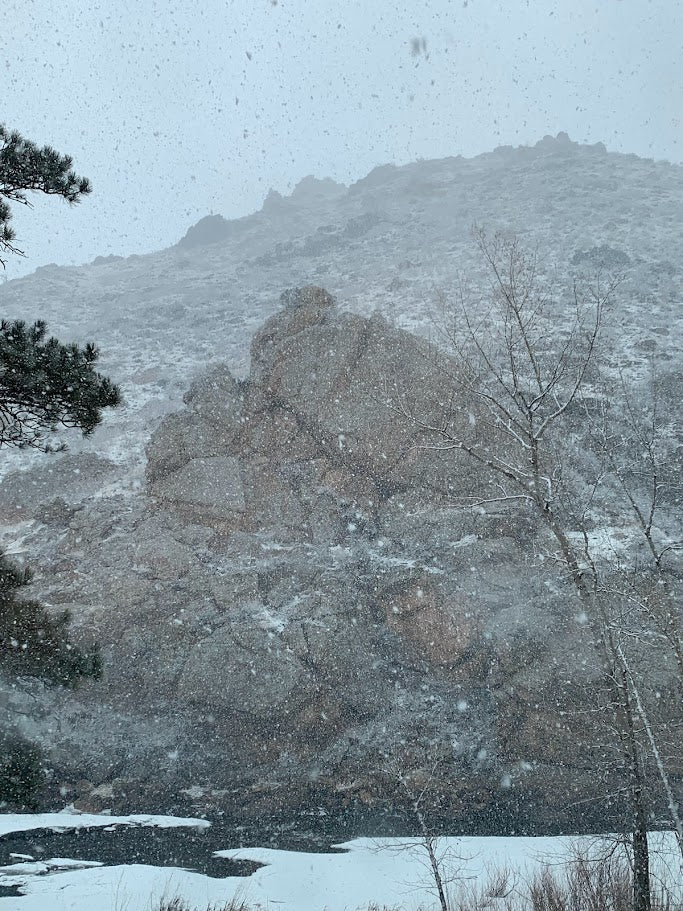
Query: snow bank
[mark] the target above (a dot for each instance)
(66, 819)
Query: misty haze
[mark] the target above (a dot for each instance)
(340, 457)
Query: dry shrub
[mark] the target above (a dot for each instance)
(179, 904)
(495, 894)
(586, 885)
(604, 886)
(580, 885)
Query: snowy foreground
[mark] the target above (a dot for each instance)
(389, 872)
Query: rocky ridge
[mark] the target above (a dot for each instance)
(294, 604)
(286, 597)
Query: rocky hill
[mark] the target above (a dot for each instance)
(287, 599)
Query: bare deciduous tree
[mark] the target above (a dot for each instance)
(441, 861)
(526, 408)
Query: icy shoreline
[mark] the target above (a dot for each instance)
(352, 875)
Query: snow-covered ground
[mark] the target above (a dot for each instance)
(389, 872)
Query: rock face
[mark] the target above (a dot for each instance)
(209, 230)
(287, 599)
(294, 603)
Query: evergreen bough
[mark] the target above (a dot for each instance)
(24, 167)
(45, 384)
(21, 772)
(33, 641)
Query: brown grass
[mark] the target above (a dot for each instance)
(179, 904)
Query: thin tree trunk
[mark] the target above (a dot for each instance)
(641, 851)
(610, 653)
(436, 872)
(671, 800)
(641, 861)
(428, 842)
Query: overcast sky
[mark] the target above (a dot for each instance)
(178, 108)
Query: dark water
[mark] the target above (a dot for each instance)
(190, 849)
(184, 847)
(193, 849)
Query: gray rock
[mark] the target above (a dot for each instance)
(295, 589)
(214, 483)
(290, 521)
